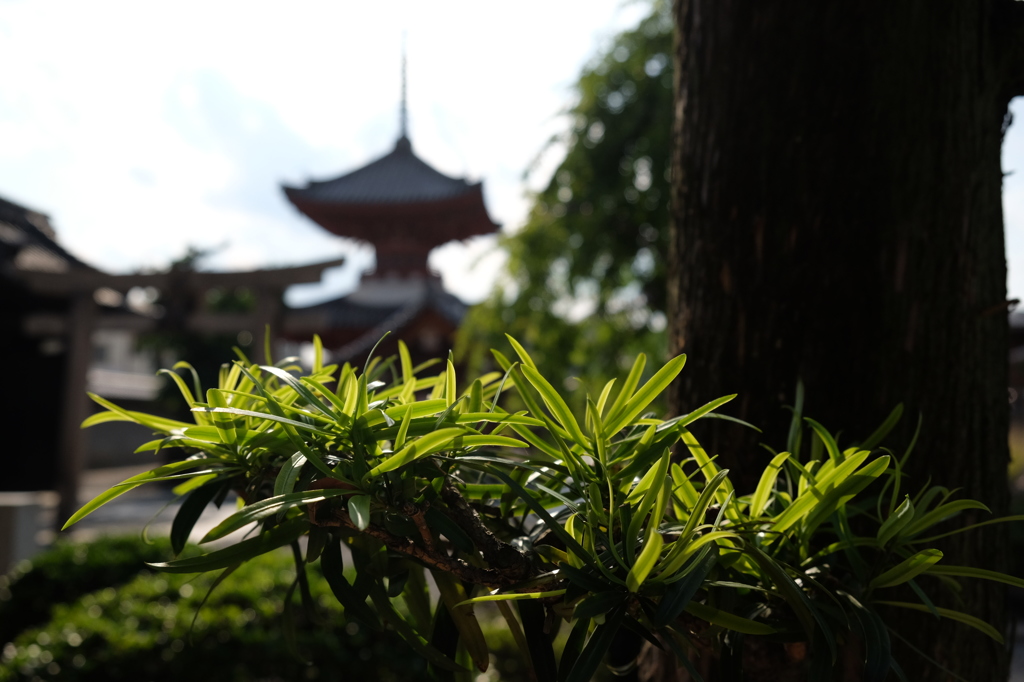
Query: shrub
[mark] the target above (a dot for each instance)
(143, 630)
(67, 571)
(582, 523)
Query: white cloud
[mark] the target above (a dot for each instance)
(143, 128)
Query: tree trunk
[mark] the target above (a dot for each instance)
(837, 220)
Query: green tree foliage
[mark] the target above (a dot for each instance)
(203, 351)
(584, 286)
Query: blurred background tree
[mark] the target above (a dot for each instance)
(173, 342)
(584, 285)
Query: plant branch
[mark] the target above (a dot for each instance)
(431, 555)
(498, 554)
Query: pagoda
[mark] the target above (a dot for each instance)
(405, 209)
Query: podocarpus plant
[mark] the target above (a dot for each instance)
(586, 522)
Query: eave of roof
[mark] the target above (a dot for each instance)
(28, 242)
(399, 177)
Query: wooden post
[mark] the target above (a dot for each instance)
(268, 313)
(72, 445)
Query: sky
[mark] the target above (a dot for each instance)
(145, 128)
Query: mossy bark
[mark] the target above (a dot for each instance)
(837, 220)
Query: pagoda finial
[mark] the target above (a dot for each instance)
(403, 111)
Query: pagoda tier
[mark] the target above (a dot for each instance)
(399, 204)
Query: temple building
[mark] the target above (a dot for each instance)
(405, 209)
(66, 329)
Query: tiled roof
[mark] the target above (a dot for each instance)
(364, 308)
(400, 177)
(27, 242)
(386, 316)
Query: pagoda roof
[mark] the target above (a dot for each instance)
(380, 305)
(399, 177)
(401, 205)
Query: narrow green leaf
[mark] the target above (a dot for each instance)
(158, 474)
(654, 500)
(409, 633)
(651, 390)
(941, 513)
(896, 522)
(764, 487)
(556, 405)
(182, 386)
(302, 390)
(807, 501)
(524, 357)
(583, 579)
(368, 365)
(190, 511)
(844, 490)
(603, 399)
(628, 386)
(793, 440)
(965, 618)
(268, 507)
(681, 592)
(727, 620)
(262, 415)
(645, 563)
(573, 647)
(703, 502)
(243, 551)
(515, 628)
(498, 418)
(703, 410)
(268, 345)
(512, 596)
(318, 354)
(872, 441)
(652, 478)
(444, 636)
(684, 550)
(831, 446)
(339, 405)
(406, 361)
(925, 599)
(418, 449)
(542, 655)
(877, 647)
(593, 653)
(351, 600)
(476, 396)
(403, 431)
(160, 424)
(971, 572)
(706, 464)
(599, 604)
(289, 474)
(907, 569)
(450, 394)
(538, 508)
(796, 598)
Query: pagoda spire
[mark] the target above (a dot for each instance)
(403, 112)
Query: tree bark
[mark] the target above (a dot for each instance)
(837, 220)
